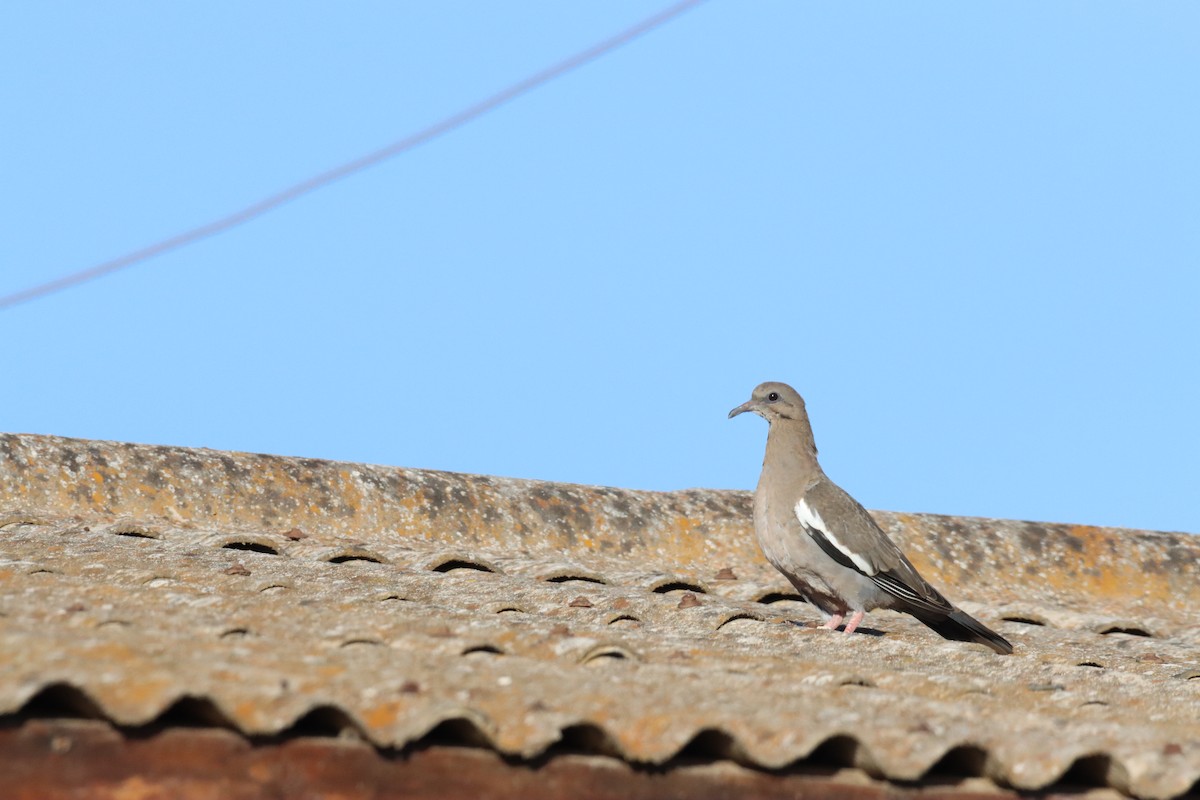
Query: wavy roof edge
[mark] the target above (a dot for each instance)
(986, 560)
(963, 764)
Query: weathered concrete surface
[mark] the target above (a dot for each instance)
(997, 560)
(273, 597)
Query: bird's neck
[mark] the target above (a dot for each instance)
(791, 449)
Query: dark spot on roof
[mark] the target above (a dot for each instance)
(708, 745)
(251, 547)
(457, 732)
(1073, 542)
(485, 649)
(608, 652)
(61, 701)
(836, 751)
(135, 533)
(1126, 629)
(572, 576)
(325, 721)
(778, 597)
(585, 738)
(1091, 771)
(1032, 538)
(362, 641)
(462, 563)
(192, 712)
(678, 586)
(356, 556)
(741, 616)
(963, 761)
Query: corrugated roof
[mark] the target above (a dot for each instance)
(276, 596)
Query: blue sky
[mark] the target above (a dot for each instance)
(968, 233)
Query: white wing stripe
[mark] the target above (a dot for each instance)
(809, 518)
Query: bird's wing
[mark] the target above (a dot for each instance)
(849, 535)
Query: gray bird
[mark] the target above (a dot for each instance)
(827, 544)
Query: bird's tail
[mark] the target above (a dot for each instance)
(962, 627)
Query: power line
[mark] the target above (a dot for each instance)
(250, 212)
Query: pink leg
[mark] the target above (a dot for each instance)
(833, 622)
(855, 618)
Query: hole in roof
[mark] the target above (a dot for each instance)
(274, 588)
(325, 721)
(510, 610)
(741, 618)
(1090, 664)
(456, 732)
(61, 701)
(40, 571)
(607, 653)
(963, 761)
(1024, 620)
(159, 581)
(235, 633)
(252, 547)
(836, 752)
(707, 746)
(586, 738)
(1130, 630)
(679, 586)
(136, 533)
(364, 641)
(1095, 770)
(192, 712)
(483, 649)
(461, 563)
(390, 597)
(358, 555)
(625, 619)
(770, 598)
(575, 577)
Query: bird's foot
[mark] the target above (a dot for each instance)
(855, 618)
(833, 622)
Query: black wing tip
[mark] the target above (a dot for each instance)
(960, 626)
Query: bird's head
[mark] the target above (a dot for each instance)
(773, 400)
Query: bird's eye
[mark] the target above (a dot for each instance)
(772, 397)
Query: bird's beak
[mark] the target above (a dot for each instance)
(749, 405)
